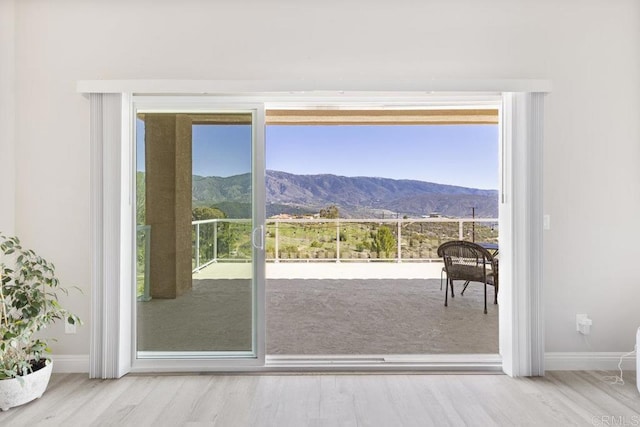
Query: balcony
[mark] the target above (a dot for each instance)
(340, 295)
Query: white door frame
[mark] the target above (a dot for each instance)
(158, 360)
(521, 320)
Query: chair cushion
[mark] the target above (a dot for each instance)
(469, 272)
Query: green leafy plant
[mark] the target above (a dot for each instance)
(28, 303)
(383, 241)
(316, 244)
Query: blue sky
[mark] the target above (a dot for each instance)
(458, 155)
(220, 150)
(465, 155)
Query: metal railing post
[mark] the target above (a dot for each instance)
(277, 246)
(197, 246)
(399, 240)
(215, 241)
(337, 240)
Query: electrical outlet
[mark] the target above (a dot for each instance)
(583, 324)
(69, 328)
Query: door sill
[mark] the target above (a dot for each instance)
(482, 363)
(325, 364)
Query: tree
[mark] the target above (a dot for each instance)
(330, 212)
(202, 213)
(383, 241)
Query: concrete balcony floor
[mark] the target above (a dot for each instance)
(325, 270)
(324, 308)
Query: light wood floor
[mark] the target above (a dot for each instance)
(559, 399)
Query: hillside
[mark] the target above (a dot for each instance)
(355, 196)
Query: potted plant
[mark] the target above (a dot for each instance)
(29, 292)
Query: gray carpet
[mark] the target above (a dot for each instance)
(214, 316)
(309, 317)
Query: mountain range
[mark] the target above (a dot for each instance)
(368, 197)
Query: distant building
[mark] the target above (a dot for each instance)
(281, 216)
(289, 216)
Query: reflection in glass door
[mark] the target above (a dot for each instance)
(195, 221)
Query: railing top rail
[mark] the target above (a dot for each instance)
(377, 220)
(347, 220)
(208, 221)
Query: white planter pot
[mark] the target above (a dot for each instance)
(15, 392)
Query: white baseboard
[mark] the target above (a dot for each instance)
(571, 361)
(588, 361)
(70, 363)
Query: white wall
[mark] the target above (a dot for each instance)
(7, 116)
(590, 49)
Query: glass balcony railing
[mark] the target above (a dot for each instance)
(321, 240)
(357, 240)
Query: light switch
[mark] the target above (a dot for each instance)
(546, 222)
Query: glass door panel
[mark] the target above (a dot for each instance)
(195, 221)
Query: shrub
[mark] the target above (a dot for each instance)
(28, 303)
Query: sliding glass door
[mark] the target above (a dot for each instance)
(199, 234)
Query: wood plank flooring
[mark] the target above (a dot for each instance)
(571, 398)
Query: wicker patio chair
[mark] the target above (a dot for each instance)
(469, 262)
